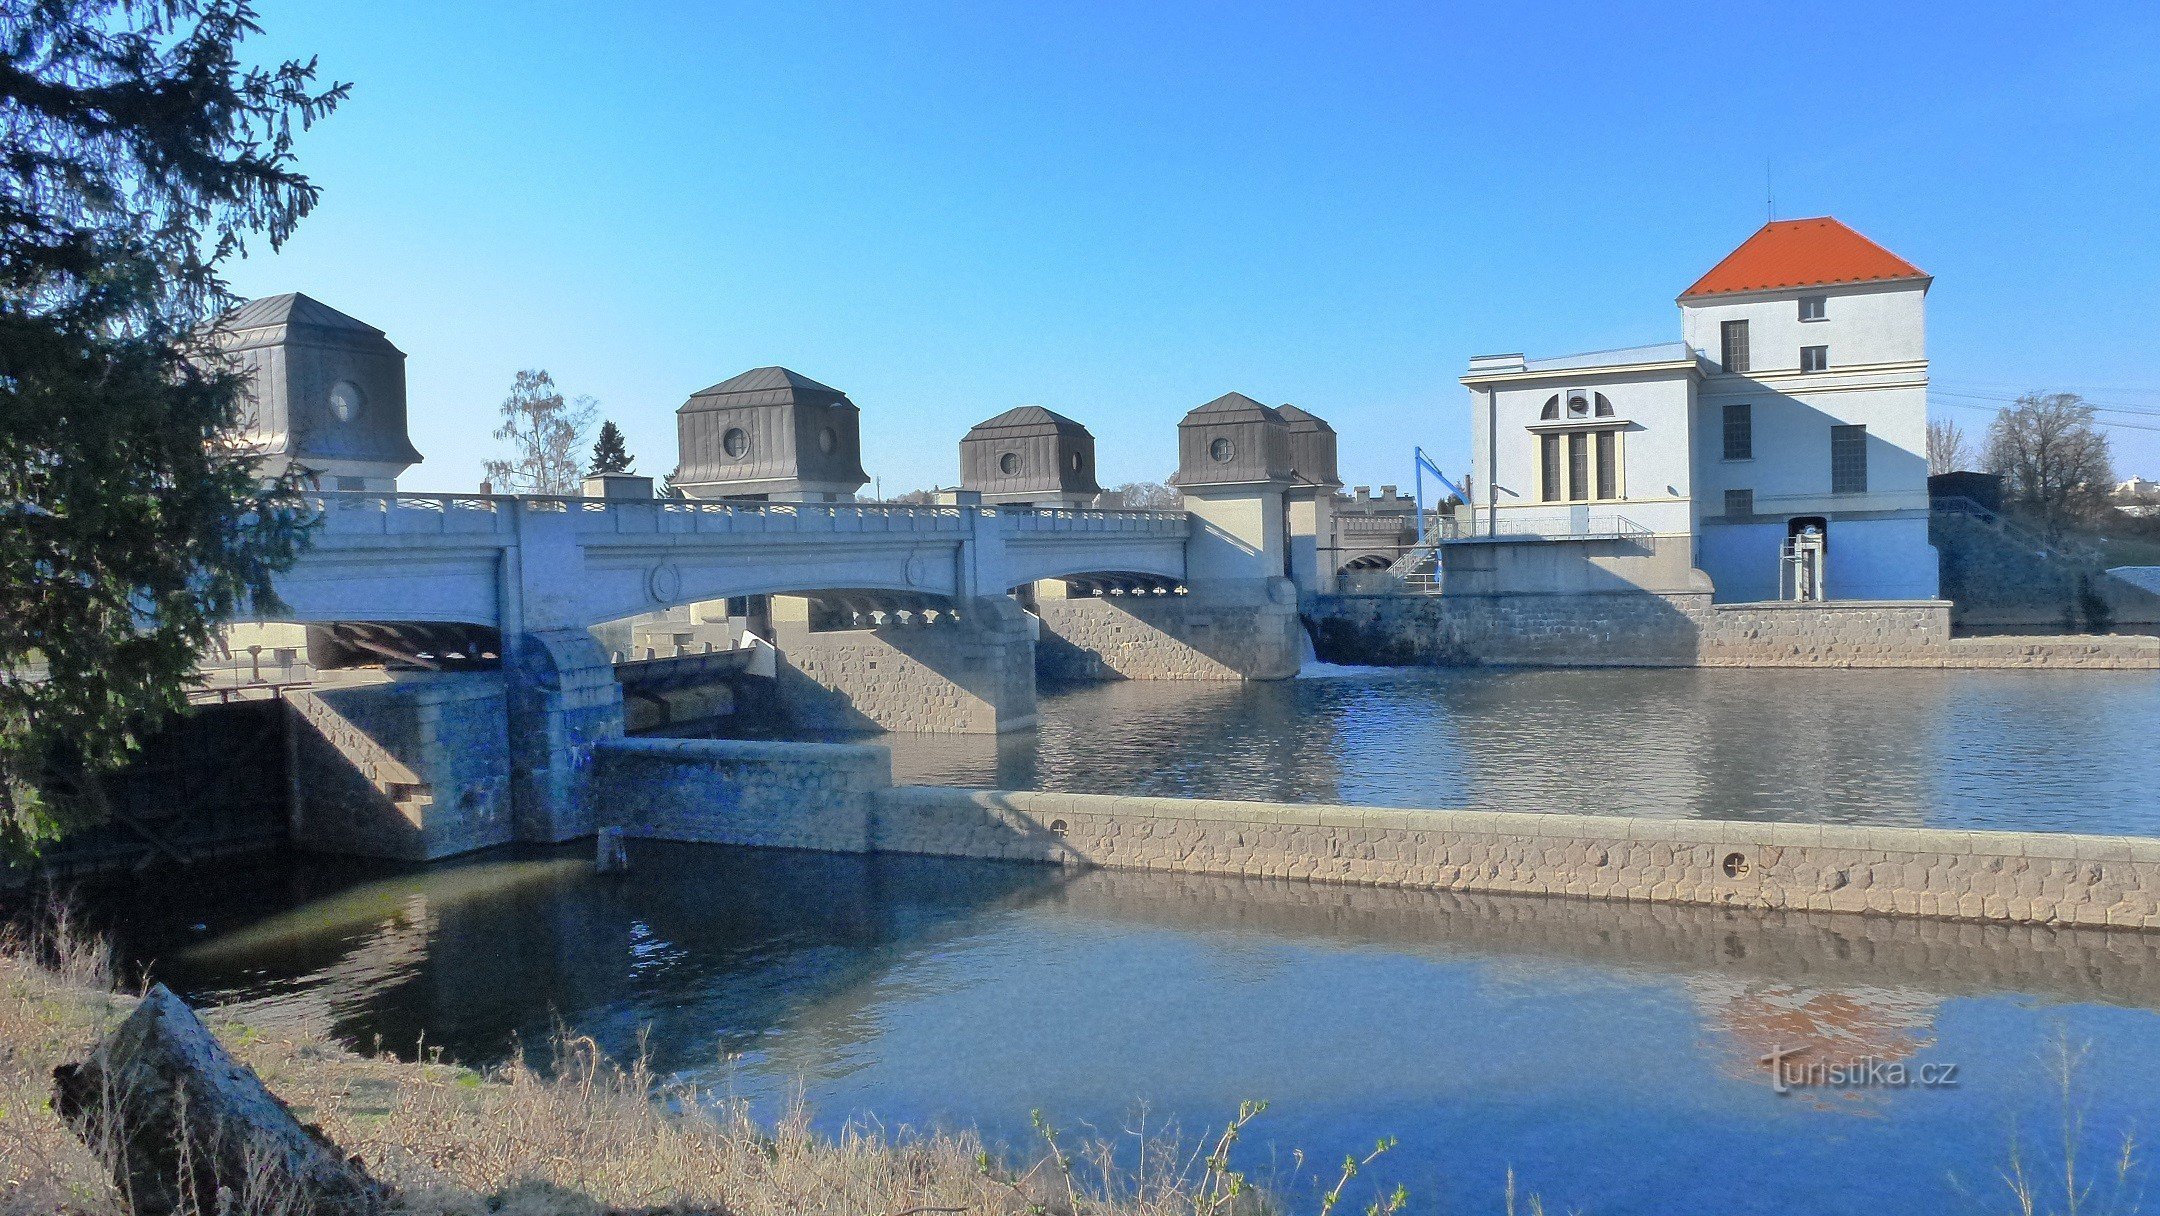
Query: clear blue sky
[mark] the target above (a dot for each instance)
(1122, 210)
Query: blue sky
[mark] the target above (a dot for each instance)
(1122, 210)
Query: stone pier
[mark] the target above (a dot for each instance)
(1253, 636)
(965, 672)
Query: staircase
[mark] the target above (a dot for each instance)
(2001, 574)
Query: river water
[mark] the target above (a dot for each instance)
(1609, 1054)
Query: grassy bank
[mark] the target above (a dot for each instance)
(581, 1136)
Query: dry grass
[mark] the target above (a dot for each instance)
(580, 1136)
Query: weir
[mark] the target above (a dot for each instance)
(839, 798)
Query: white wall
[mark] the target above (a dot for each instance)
(1656, 467)
(1864, 325)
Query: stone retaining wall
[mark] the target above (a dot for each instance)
(1638, 629)
(1168, 637)
(1983, 876)
(731, 791)
(975, 675)
(413, 766)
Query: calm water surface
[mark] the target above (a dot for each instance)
(1610, 1054)
(2058, 751)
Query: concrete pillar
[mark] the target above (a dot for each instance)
(1310, 526)
(1238, 535)
(973, 675)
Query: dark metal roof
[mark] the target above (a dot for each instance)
(1300, 420)
(1030, 418)
(1229, 403)
(767, 386)
(292, 308)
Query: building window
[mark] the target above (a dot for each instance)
(1608, 464)
(1814, 358)
(1733, 335)
(1848, 460)
(1604, 407)
(1739, 432)
(736, 443)
(1813, 308)
(1549, 462)
(1578, 460)
(1009, 463)
(1578, 406)
(1221, 451)
(1739, 504)
(1551, 412)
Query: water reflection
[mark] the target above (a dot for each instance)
(2066, 751)
(1610, 1052)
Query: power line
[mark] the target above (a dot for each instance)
(1989, 409)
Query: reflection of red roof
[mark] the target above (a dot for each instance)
(1802, 253)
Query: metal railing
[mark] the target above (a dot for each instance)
(2045, 546)
(1596, 527)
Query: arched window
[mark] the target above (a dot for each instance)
(1551, 410)
(1604, 407)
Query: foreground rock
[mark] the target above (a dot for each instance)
(178, 1120)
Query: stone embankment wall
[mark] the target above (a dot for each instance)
(975, 675)
(1635, 629)
(728, 791)
(1983, 876)
(1168, 637)
(840, 799)
(413, 766)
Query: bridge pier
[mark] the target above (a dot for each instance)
(970, 671)
(562, 698)
(1229, 631)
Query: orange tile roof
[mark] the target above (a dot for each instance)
(1802, 253)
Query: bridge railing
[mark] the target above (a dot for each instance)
(349, 512)
(361, 512)
(1090, 519)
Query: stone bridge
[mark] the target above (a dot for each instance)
(528, 564)
(920, 626)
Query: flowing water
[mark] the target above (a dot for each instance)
(1610, 1054)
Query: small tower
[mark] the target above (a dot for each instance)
(1233, 469)
(770, 434)
(328, 392)
(1310, 501)
(1030, 456)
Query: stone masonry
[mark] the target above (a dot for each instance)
(1168, 637)
(727, 791)
(1636, 629)
(1980, 876)
(840, 799)
(974, 675)
(413, 766)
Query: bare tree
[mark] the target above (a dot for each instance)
(1947, 451)
(915, 498)
(544, 432)
(2053, 461)
(1149, 496)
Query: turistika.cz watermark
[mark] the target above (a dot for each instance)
(1788, 1072)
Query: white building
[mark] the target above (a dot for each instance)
(1778, 450)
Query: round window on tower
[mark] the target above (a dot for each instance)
(736, 443)
(345, 400)
(828, 440)
(1009, 463)
(1221, 451)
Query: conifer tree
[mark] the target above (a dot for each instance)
(140, 154)
(609, 453)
